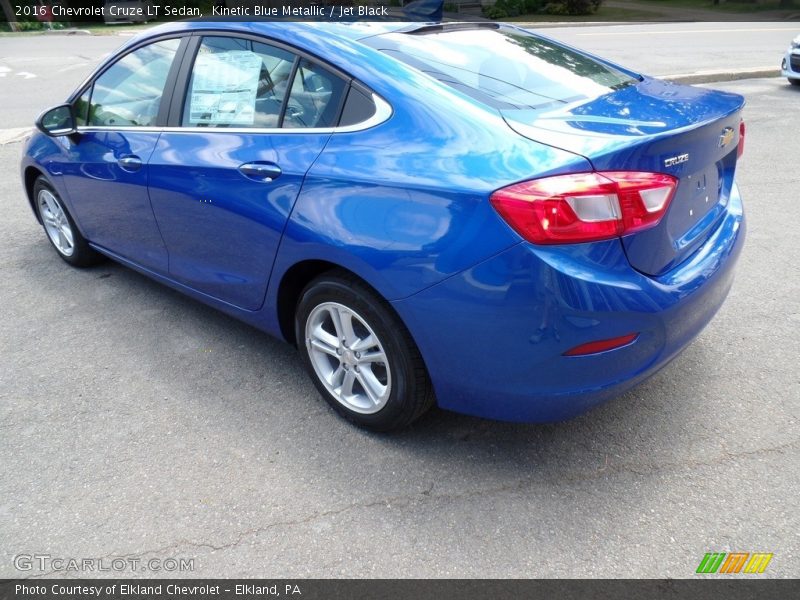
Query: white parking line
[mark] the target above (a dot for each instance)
(8, 71)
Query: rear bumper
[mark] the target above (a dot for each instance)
(493, 337)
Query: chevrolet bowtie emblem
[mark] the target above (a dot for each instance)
(726, 137)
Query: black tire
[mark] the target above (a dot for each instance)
(794, 81)
(409, 394)
(82, 254)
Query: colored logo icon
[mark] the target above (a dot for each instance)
(734, 562)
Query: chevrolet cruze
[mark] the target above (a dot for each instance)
(464, 214)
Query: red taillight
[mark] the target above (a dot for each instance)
(740, 147)
(602, 345)
(585, 207)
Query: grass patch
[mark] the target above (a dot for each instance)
(604, 13)
(729, 6)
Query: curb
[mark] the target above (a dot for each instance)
(17, 134)
(716, 76)
(561, 24)
(67, 32)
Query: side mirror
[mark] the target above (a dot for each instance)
(57, 121)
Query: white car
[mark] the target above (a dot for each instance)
(790, 66)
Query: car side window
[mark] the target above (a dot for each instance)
(358, 107)
(237, 83)
(128, 94)
(316, 97)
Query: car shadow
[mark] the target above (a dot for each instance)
(636, 431)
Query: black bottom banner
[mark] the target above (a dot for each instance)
(380, 589)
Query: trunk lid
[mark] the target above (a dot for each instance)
(690, 133)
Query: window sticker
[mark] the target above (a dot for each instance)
(224, 88)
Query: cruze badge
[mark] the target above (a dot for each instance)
(726, 137)
(676, 160)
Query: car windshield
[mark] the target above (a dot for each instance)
(505, 67)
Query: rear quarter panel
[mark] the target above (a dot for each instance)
(405, 203)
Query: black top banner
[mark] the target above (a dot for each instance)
(49, 12)
(145, 11)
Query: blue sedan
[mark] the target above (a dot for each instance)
(463, 214)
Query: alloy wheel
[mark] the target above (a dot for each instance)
(56, 223)
(348, 357)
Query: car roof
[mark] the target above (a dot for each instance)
(286, 29)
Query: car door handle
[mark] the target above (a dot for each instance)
(265, 171)
(130, 163)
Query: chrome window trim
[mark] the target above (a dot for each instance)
(383, 111)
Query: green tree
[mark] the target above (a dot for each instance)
(12, 22)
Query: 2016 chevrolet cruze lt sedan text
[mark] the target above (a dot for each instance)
(471, 215)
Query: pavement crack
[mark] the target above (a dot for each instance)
(427, 496)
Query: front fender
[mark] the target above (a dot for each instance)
(47, 155)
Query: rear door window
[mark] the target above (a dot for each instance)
(316, 97)
(237, 82)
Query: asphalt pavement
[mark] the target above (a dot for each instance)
(136, 423)
(710, 51)
(713, 50)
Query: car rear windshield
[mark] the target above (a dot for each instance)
(504, 67)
